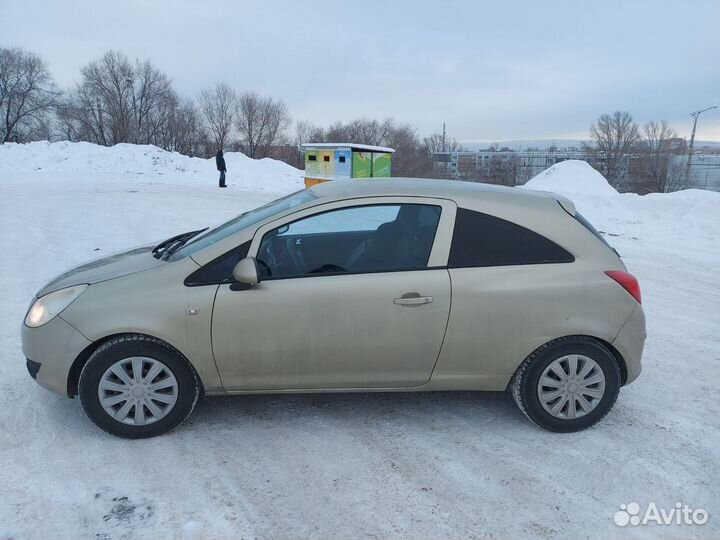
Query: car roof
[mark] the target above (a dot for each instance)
(463, 193)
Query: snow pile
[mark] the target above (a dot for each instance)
(136, 161)
(572, 177)
(81, 157)
(658, 219)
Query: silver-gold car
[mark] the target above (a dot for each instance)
(354, 286)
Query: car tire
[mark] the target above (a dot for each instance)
(558, 405)
(136, 386)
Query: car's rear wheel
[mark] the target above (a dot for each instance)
(135, 386)
(567, 385)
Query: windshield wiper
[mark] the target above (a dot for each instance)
(179, 242)
(160, 247)
(167, 247)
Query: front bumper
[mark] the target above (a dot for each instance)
(630, 342)
(52, 348)
(32, 367)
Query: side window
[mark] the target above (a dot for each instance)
(373, 238)
(484, 240)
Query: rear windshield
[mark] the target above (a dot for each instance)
(585, 223)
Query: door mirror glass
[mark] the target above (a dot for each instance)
(246, 271)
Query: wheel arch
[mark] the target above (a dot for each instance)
(609, 346)
(82, 358)
(618, 358)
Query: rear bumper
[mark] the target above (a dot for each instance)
(50, 351)
(630, 342)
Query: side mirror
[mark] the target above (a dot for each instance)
(246, 271)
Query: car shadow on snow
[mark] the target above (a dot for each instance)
(481, 409)
(476, 413)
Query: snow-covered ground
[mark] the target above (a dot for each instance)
(440, 465)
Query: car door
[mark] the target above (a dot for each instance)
(354, 294)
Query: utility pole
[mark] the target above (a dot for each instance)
(692, 139)
(443, 138)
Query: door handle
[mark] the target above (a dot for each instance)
(412, 299)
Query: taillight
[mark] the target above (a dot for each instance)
(628, 282)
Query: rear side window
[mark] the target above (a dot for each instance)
(484, 240)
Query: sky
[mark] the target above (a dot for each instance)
(492, 71)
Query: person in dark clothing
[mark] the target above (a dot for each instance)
(220, 163)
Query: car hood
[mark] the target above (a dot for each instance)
(110, 267)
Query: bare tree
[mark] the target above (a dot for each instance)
(361, 131)
(657, 154)
(153, 103)
(181, 131)
(305, 132)
(27, 95)
(248, 116)
(277, 122)
(118, 101)
(105, 98)
(435, 143)
(218, 109)
(411, 158)
(676, 178)
(261, 122)
(614, 136)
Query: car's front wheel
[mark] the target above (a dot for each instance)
(135, 386)
(568, 384)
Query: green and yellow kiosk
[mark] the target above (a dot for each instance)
(345, 161)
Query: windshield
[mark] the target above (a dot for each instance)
(244, 220)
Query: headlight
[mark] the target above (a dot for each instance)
(50, 305)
